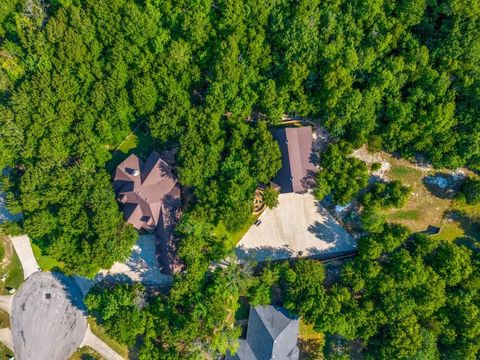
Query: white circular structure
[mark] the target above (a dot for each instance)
(48, 317)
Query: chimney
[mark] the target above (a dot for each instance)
(135, 172)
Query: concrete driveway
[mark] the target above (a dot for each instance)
(298, 224)
(25, 254)
(142, 265)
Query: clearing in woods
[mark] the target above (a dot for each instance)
(432, 199)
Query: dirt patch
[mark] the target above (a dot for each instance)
(8, 248)
(374, 158)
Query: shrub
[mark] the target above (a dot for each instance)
(376, 166)
(387, 195)
(270, 197)
(470, 191)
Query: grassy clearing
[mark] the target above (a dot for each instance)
(404, 215)
(405, 173)
(11, 267)
(311, 343)
(234, 237)
(4, 319)
(85, 353)
(137, 142)
(425, 208)
(45, 262)
(99, 331)
(5, 353)
(462, 221)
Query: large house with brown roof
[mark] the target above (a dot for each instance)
(298, 168)
(150, 196)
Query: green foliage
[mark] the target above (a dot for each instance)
(119, 311)
(404, 297)
(340, 175)
(76, 76)
(375, 166)
(386, 195)
(470, 191)
(305, 293)
(270, 197)
(196, 320)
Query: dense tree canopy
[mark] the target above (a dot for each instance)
(340, 175)
(209, 77)
(75, 77)
(403, 297)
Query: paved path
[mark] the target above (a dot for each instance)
(6, 302)
(298, 226)
(25, 254)
(6, 338)
(92, 341)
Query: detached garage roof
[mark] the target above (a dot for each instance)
(296, 146)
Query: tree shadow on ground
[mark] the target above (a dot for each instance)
(470, 225)
(442, 185)
(310, 349)
(471, 243)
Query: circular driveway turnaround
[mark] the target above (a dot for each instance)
(48, 317)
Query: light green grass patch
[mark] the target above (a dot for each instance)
(4, 319)
(45, 262)
(85, 353)
(99, 331)
(405, 174)
(234, 237)
(15, 274)
(404, 215)
(137, 143)
(450, 232)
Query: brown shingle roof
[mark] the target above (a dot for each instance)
(296, 146)
(143, 187)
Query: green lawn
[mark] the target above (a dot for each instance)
(45, 262)
(137, 142)
(4, 319)
(234, 237)
(99, 331)
(5, 353)
(405, 174)
(404, 215)
(15, 274)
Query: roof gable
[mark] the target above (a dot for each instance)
(143, 187)
(296, 147)
(272, 333)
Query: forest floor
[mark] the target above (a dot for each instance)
(432, 199)
(310, 342)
